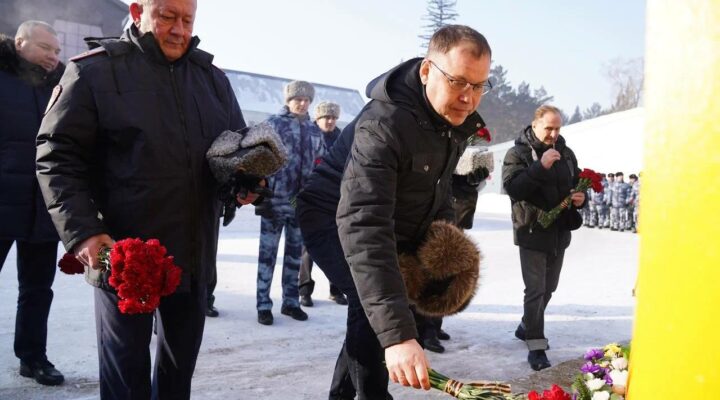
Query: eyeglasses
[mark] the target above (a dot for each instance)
(461, 85)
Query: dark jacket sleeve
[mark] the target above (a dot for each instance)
(519, 179)
(65, 158)
(366, 230)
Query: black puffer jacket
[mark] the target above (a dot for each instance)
(397, 181)
(24, 92)
(531, 188)
(122, 151)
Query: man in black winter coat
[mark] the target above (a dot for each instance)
(29, 68)
(408, 140)
(538, 173)
(121, 154)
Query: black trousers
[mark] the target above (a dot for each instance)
(307, 284)
(123, 342)
(36, 273)
(361, 358)
(541, 274)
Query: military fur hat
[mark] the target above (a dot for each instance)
(327, 109)
(256, 151)
(442, 277)
(297, 89)
(473, 158)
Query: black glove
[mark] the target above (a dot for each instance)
(240, 184)
(264, 210)
(477, 176)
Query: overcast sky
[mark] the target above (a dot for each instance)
(562, 45)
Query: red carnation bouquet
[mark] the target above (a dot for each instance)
(588, 178)
(555, 393)
(141, 273)
(484, 133)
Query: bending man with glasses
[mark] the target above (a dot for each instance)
(407, 142)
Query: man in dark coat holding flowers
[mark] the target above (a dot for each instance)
(538, 173)
(397, 181)
(29, 68)
(122, 154)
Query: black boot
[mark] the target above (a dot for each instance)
(211, 311)
(43, 372)
(538, 360)
(339, 299)
(433, 344)
(265, 317)
(442, 335)
(295, 313)
(306, 300)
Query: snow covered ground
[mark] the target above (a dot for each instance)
(241, 359)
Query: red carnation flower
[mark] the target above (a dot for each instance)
(484, 133)
(70, 265)
(141, 272)
(555, 393)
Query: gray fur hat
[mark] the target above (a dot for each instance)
(442, 276)
(473, 158)
(256, 151)
(297, 89)
(327, 109)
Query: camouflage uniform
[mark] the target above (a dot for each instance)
(598, 207)
(608, 201)
(586, 211)
(304, 143)
(619, 212)
(635, 204)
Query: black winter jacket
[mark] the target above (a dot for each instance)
(531, 188)
(396, 182)
(322, 188)
(24, 93)
(122, 151)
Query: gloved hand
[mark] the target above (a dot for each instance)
(240, 184)
(264, 209)
(477, 176)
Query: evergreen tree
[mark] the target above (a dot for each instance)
(507, 110)
(439, 14)
(595, 110)
(576, 117)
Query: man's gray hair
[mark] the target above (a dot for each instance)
(25, 30)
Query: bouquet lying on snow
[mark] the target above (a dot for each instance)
(471, 391)
(141, 272)
(588, 178)
(486, 390)
(604, 375)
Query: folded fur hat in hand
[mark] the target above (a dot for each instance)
(256, 151)
(473, 158)
(441, 278)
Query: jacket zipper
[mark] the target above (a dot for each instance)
(193, 182)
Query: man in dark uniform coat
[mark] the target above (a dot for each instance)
(29, 68)
(121, 154)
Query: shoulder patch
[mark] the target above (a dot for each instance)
(53, 98)
(89, 53)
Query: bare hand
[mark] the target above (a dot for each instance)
(577, 198)
(87, 251)
(250, 197)
(549, 157)
(407, 364)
